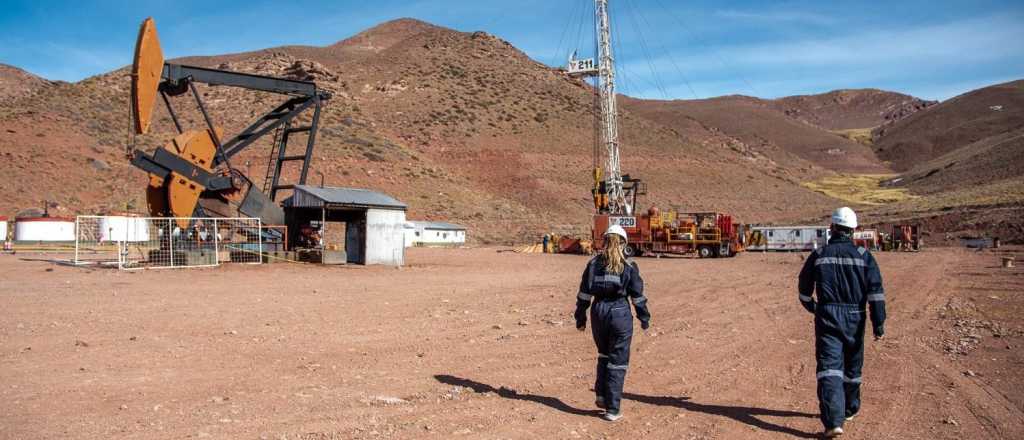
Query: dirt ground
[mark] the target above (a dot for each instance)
(473, 343)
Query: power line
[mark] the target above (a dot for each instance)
(565, 30)
(685, 27)
(646, 52)
(670, 57)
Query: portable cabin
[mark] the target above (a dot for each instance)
(424, 233)
(787, 238)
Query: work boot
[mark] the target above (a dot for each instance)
(599, 402)
(834, 432)
(611, 417)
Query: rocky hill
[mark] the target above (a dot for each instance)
(958, 122)
(851, 108)
(16, 83)
(462, 126)
(758, 124)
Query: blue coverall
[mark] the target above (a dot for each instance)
(847, 280)
(612, 324)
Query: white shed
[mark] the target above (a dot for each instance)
(373, 222)
(422, 233)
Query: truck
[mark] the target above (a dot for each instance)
(702, 234)
(868, 239)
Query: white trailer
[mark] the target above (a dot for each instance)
(787, 238)
(423, 233)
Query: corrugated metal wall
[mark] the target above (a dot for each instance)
(302, 199)
(385, 237)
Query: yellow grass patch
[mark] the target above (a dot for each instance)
(859, 135)
(862, 189)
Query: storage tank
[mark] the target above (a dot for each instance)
(124, 229)
(48, 229)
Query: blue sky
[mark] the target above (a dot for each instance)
(665, 48)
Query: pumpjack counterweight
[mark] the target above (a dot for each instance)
(193, 172)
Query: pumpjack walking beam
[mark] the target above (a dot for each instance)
(196, 165)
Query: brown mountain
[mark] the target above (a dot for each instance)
(759, 124)
(16, 83)
(958, 122)
(851, 108)
(462, 126)
(962, 159)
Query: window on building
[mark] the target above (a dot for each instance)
(771, 233)
(821, 233)
(417, 233)
(796, 232)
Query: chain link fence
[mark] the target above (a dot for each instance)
(157, 242)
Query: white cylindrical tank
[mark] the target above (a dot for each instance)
(3, 228)
(44, 229)
(124, 229)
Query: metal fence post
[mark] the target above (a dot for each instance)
(259, 237)
(170, 240)
(77, 220)
(216, 242)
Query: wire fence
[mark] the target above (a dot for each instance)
(157, 242)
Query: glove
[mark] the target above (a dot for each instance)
(810, 306)
(879, 331)
(645, 324)
(580, 325)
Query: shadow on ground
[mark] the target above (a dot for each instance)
(742, 414)
(746, 415)
(508, 393)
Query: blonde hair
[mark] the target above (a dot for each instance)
(614, 254)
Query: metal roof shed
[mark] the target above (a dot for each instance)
(374, 221)
(306, 196)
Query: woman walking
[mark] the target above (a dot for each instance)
(607, 281)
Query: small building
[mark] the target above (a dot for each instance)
(367, 225)
(423, 233)
(3, 228)
(787, 238)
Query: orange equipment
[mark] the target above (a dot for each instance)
(191, 176)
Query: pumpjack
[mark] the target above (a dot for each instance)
(192, 175)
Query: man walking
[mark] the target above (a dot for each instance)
(847, 281)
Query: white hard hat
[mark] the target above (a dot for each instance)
(845, 217)
(617, 230)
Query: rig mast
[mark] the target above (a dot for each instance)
(610, 194)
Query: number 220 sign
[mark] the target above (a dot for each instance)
(625, 222)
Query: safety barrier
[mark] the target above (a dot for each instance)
(159, 242)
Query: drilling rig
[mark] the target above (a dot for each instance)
(615, 194)
(192, 175)
(704, 234)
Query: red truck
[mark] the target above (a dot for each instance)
(704, 234)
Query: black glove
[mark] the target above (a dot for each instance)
(580, 325)
(645, 324)
(879, 331)
(809, 305)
